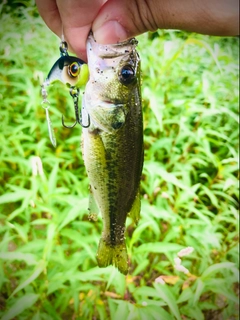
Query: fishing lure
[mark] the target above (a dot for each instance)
(73, 72)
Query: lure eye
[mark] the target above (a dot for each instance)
(127, 75)
(74, 69)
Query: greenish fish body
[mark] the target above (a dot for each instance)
(113, 144)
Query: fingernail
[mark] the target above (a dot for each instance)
(110, 32)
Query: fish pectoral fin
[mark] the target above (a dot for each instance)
(109, 119)
(115, 255)
(135, 210)
(92, 207)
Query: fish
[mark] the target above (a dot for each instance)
(112, 145)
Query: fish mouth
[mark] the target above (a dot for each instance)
(110, 104)
(111, 50)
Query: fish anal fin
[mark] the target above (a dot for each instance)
(92, 206)
(115, 255)
(135, 210)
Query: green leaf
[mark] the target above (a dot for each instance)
(218, 267)
(211, 195)
(133, 312)
(23, 303)
(112, 307)
(22, 208)
(15, 196)
(74, 212)
(165, 293)
(118, 280)
(40, 222)
(185, 295)
(158, 247)
(224, 291)
(29, 280)
(158, 313)
(145, 291)
(51, 233)
(37, 316)
(94, 274)
(137, 232)
(193, 312)
(166, 176)
(200, 215)
(122, 311)
(141, 267)
(144, 314)
(208, 48)
(156, 102)
(52, 180)
(200, 286)
(50, 309)
(102, 312)
(51, 229)
(29, 258)
(21, 230)
(55, 285)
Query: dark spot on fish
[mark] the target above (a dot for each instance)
(95, 131)
(117, 125)
(126, 51)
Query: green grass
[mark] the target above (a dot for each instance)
(189, 186)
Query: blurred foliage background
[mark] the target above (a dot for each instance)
(189, 185)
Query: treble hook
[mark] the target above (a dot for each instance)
(88, 124)
(74, 92)
(69, 127)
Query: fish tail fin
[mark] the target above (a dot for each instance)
(116, 255)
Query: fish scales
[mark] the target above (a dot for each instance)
(113, 144)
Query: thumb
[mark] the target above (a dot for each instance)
(121, 19)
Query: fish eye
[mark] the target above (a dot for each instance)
(127, 74)
(74, 69)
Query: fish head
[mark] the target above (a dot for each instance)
(113, 84)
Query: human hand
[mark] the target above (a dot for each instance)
(116, 20)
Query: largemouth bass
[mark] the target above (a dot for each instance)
(113, 143)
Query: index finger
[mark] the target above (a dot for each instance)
(74, 17)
